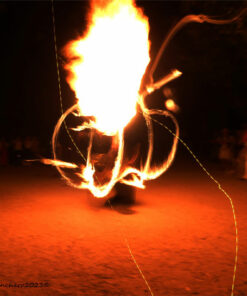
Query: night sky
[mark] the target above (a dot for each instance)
(211, 92)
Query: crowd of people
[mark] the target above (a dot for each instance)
(19, 150)
(228, 148)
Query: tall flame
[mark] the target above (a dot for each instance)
(106, 67)
(108, 64)
(106, 70)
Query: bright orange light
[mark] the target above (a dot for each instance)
(106, 67)
(110, 61)
(170, 105)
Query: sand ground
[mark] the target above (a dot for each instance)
(180, 231)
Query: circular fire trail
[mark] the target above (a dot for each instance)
(105, 70)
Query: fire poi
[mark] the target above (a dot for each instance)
(106, 69)
(109, 72)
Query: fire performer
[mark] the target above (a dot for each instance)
(121, 31)
(117, 69)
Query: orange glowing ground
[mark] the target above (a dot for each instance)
(180, 231)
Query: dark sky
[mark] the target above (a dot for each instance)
(211, 93)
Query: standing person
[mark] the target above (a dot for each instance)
(226, 147)
(3, 152)
(18, 151)
(28, 150)
(242, 157)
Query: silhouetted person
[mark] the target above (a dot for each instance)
(242, 156)
(17, 151)
(3, 152)
(226, 149)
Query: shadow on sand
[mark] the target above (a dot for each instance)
(122, 200)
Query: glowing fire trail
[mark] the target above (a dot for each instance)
(117, 68)
(119, 173)
(106, 67)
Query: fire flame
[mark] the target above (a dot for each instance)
(106, 68)
(108, 64)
